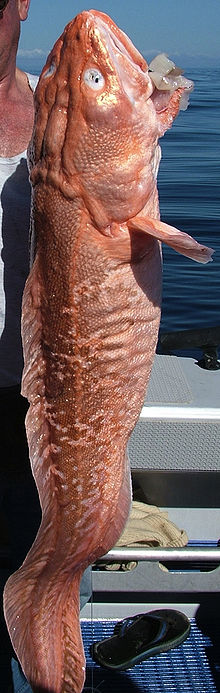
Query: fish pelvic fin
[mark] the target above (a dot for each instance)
(178, 240)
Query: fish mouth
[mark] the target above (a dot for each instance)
(118, 53)
(158, 80)
(120, 41)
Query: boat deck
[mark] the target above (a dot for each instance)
(193, 667)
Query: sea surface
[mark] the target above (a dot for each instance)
(189, 190)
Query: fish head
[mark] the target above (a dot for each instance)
(97, 120)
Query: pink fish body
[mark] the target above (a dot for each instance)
(91, 312)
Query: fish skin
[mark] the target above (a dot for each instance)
(91, 313)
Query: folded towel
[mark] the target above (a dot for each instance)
(149, 526)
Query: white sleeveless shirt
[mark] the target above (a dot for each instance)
(15, 195)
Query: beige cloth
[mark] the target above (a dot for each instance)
(147, 526)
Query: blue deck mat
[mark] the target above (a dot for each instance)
(193, 667)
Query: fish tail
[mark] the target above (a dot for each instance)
(42, 615)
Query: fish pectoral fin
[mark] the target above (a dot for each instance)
(178, 240)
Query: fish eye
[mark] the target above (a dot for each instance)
(94, 78)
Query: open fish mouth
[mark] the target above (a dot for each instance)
(157, 80)
(117, 54)
(166, 78)
(104, 29)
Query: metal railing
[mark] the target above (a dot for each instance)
(192, 554)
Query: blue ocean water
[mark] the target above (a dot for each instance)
(189, 189)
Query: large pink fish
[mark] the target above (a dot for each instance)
(91, 314)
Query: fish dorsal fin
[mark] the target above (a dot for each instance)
(178, 240)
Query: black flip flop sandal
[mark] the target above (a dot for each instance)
(140, 637)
